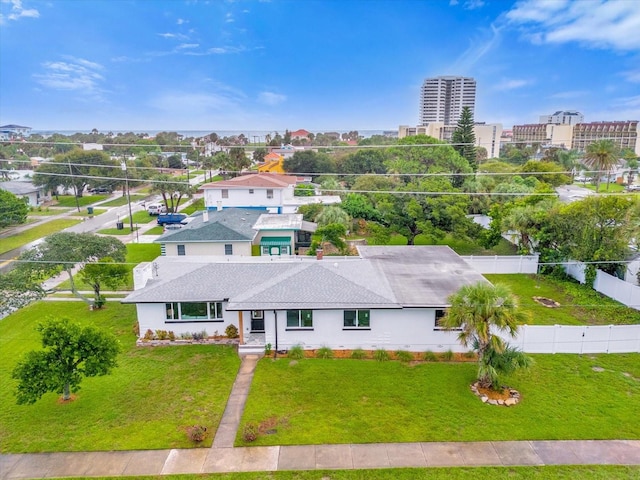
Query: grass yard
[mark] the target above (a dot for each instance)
(136, 253)
(85, 212)
(28, 236)
(613, 187)
(319, 401)
(122, 200)
(46, 211)
(155, 231)
(193, 207)
(70, 200)
(146, 403)
(139, 217)
(464, 247)
(579, 305)
(563, 472)
(114, 231)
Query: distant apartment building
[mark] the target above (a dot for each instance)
(623, 134)
(13, 132)
(442, 99)
(544, 133)
(566, 117)
(487, 134)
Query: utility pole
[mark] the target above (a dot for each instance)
(75, 189)
(123, 164)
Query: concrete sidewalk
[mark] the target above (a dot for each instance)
(319, 457)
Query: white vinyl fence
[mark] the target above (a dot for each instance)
(624, 292)
(503, 263)
(577, 339)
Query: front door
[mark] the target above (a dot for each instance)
(257, 321)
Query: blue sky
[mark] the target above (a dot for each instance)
(319, 65)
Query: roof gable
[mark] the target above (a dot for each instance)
(230, 224)
(263, 180)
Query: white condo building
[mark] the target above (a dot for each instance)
(442, 99)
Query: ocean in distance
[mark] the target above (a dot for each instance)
(250, 134)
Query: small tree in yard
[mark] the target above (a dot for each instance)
(105, 272)
(477, 310)
(71, 353)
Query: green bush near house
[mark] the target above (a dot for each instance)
(146, 403)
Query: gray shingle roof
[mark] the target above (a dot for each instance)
(231, 224)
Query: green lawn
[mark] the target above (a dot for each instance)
(139, 217)
(613, 187)
(70, 201)
(196, 205)
(562, 472)
(122, 200)
(28, 236)
(464, 247)
(46, 211)
(136, 253)
(114, 231)
(146, 403)
(358, 401)
(579, 305)
(155, 231)
(85, 212)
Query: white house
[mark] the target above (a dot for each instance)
(238, 232)
(387, 298)
(32, 194)
(264, 191)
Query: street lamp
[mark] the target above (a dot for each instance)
(123, 165)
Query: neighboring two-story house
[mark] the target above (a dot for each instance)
(271, 192)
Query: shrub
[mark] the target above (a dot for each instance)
(404, 356)
(296, 352)
(448, 355)
(250, 432)
(429, 356)
(162, 334)
(148, 335)
(186, 336)
(99, 302)
(172, 335)
(200, 335)
(469, 354)
(324, 352)
(136, 329)
(267, 349)
(381, 355)
(358, 354)
(231, 331)
(197, 433)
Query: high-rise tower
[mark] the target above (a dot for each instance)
(442, 99)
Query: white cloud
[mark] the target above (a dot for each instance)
(632, 76)
(570, 94)
(181, 21)
(478, 49)
(177, 36)
(18, 12)
(75, 74)
(596, 23)
(187, 45)
(468, 4)
(271, 99)
(229, 18)
(512, 84)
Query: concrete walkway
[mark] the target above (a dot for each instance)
(226, 434)
(319, 457)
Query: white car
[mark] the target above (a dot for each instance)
(156, 209)
(633, 188)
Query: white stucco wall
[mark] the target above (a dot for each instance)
(209, 248)
(397, 329)
(151, 316)
(240, 197)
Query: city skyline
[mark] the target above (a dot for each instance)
(271, 65)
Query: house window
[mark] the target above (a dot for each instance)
(225, 193)
(257, 314)
(251, 191)
(173, 312)
(439, 323)
(357, 319)
(269, 193)
(194, 312)
(299, 318)
(228, 249)
(181, 250)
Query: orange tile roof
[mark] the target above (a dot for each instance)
(266, 180)
(271, 156)
(300, 133)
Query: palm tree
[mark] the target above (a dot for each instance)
(478, 310)
(601, 155)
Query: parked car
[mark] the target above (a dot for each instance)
(171, 218)
(100, 190)
(156, 209)
(633, 188)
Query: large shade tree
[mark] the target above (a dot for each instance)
(478, 311)
(601, 156)
(71, 352)
(13, 210)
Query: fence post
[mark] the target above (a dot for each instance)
(520, 266)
